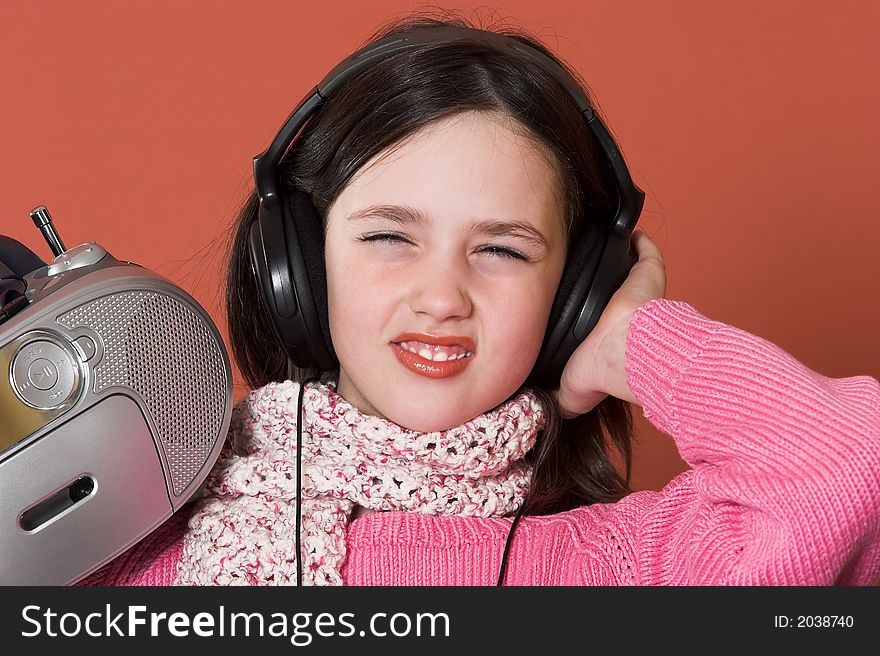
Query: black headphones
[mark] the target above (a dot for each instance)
(286, 239)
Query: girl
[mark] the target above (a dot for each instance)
(451, 183)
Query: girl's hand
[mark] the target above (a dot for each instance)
(596, 368)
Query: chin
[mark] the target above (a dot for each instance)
(436, 419)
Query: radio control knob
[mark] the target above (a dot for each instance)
(45, 373)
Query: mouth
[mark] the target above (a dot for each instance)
(432, 356)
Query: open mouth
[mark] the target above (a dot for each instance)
(436, 352)
(434, 360)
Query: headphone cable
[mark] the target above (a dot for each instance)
(299, 416)
(503, 571)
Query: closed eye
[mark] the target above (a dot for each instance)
(501, 251)
(491, 249)
(384, 236)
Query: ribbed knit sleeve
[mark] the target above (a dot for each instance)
(784, 485)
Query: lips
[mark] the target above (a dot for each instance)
(433, 368)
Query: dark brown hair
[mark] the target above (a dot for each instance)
(573, 459)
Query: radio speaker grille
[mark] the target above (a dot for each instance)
(161, 349)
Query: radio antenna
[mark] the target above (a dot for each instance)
(43, 221)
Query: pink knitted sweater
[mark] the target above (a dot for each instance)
(783, 486)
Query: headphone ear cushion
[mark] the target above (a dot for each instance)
(574, 290)
(582, 260)
(309, 226)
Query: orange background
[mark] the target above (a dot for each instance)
(751, 126)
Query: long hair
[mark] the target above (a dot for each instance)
(573, 460)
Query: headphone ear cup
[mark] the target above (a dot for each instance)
(571, 295)
(287, 253)
(309, 226)
(597, 266)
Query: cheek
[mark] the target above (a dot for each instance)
(353, 303)
(339, 297)
(519, 322)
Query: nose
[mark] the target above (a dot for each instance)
(441, 290)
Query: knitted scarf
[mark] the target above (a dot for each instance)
(243, 530)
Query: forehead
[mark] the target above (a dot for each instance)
(471, 165)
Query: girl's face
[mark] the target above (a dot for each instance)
(452, 244)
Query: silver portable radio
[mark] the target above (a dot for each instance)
(115, 399)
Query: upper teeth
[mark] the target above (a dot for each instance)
(435, 352)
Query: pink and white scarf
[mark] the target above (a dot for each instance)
(243, 530)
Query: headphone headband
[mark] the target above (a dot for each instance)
(266, 163)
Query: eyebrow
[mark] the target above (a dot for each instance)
(404, 215)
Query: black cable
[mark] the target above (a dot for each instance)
(519, 514)
(299, 423)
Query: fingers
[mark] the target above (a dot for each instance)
(571, 405)
(597, 367)
(650, 258)
(645, 247)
